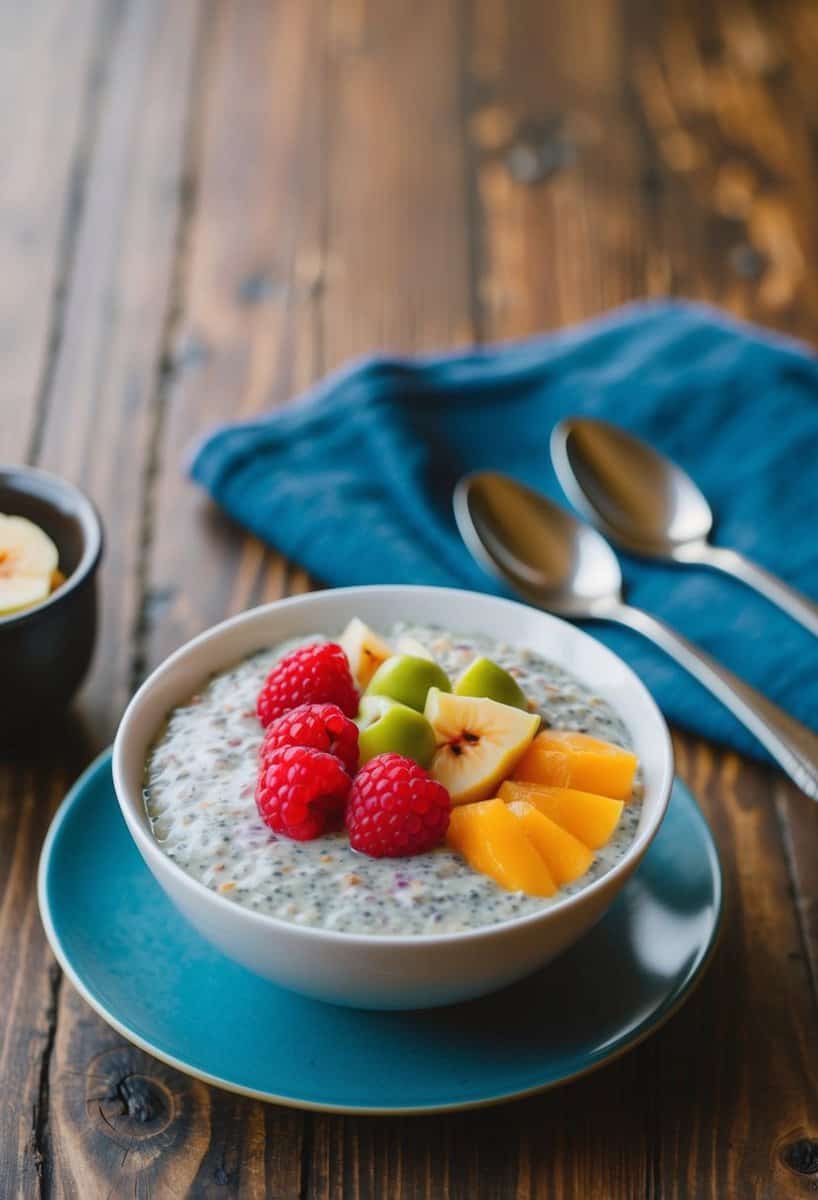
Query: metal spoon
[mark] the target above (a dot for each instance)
(645, 503)
(558, 563)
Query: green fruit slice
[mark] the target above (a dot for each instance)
(406, 678)
(486, 678)
(390, 727)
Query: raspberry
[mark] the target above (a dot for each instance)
(301, 792)
(320, 726)
(314, 674)
(395, 808)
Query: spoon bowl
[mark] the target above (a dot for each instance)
(627, 489)
(549, 556)
(645, 503)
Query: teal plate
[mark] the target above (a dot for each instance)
(150, 976)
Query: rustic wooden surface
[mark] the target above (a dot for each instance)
(204, 205)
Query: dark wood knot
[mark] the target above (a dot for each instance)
(143, 1100)
(259, 286)
(137, 1106)
(131, 1097)
(801, 1156)
(539, 150)
(157, 602)
(711, 48)
(136, 1118)
(651, 181)
(747, 262)
(190, 351)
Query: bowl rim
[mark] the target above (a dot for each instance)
(151, 851)
(14, 477)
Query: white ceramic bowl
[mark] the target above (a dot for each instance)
(390, 972)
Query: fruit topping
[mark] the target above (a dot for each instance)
(395, 808)
(317, 673)
(479, 742)
(387, 726)
(526, 808)
(28, 563)
(493, 841)
(302, 792)
(486, 678)
(589, 817)
(319, 726)
(565, 855)
(408, 679)
(563, 758)
(364, 649)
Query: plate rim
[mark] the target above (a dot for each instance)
(666, 1010)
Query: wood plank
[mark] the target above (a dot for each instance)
(556, 165)
(774, 112)
(731, 1116)
(729, 116)
(248, 332)
(396, 278)
(730, 107)
(798, 818)
(50, 54)
(29, 979)
(102, 405)
(397, 269)
(99, 409)
(247, 335)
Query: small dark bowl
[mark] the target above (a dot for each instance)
(45, 651)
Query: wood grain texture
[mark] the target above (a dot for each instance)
(245, 335)
(103, 394)
(95, 411)
(29, 980)
(556, 165)
(397, 266)
(50, 59)
(247, 332)
(243, 194)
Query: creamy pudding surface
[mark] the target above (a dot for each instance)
(199, 790)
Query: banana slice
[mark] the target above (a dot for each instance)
(28, 560)
(364, 649)
(24, 548)
(22, 591)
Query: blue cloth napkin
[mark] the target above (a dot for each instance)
(355, 480)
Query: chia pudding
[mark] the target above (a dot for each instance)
(199, 796)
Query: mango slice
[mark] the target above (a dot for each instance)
(589, 817)
(493, 842)
(562, 758)
(565, 855)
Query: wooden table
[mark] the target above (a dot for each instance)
(203, 207)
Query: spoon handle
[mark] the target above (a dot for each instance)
(791, 744)
(796, 605)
